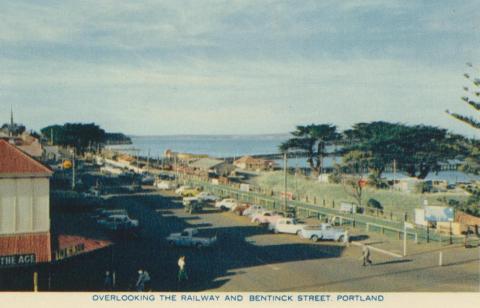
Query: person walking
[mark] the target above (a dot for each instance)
(108, 281)
(140, 284)
(366, 255)
(147, 279)
(182, 272)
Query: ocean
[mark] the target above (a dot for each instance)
(240, 145)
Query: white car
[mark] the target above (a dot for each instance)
(286, 225)
(266, 217)
(226, 204)
(252, 210)
(118, 222)
(206, 196)
(164, 185)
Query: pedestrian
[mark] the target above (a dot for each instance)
(182, 272)
(146, 279)
(366, 255)
(346, 238)
(108, 281)
(140, 284)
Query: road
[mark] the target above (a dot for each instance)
(249, 258)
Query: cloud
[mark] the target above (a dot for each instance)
(236, 66)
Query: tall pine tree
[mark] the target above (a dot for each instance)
(471, 97)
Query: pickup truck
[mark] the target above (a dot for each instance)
(266, 217)
(188, 238)
(286, 225)
(322, 232)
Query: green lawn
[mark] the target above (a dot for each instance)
(392, 201)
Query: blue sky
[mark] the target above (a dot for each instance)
(223, 67)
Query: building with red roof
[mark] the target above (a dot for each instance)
(24, 208)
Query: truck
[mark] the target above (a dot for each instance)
(192, 204)
(324, 231)
(188, 237)
(286, 225)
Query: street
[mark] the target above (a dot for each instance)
(248, 257)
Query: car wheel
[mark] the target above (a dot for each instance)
(171, 243)
(314, 238)
(199, 245)
(340, 239)
(223, 208)
(299, 233)
(275, 231)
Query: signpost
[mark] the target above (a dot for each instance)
(405, 226)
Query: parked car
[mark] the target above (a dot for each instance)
(206, 196)
(192, 204)
(241, 208)
(181, 189)
(322, 232)
(266, 217)
(164, 185)
(252, 210)
(148, 180)
(226, 204)
(118, 222)
(102, 214)
(187, 191)
(189, 238)
(286, 225)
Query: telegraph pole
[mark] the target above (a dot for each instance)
(73, 170)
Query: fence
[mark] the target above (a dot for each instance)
(304, 210)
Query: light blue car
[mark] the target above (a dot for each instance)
(322, 232)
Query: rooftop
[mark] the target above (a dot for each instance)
(16, 163)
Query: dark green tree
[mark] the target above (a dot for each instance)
(311, 141)
(417, 150)
(78, 135)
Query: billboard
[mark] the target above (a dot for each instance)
(439, 213)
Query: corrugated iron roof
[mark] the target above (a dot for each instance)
(206, 163)
(14, 162)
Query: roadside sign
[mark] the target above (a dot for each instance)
(439, 213)
(348, 207)
(17, 260)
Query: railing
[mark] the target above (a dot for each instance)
(369, 223)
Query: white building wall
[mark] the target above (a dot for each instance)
(24, 205)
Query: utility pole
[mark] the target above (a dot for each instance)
(285, 182)
(148, 161)
(73, 170)
(394, 172)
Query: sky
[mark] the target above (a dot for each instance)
(236, 67)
